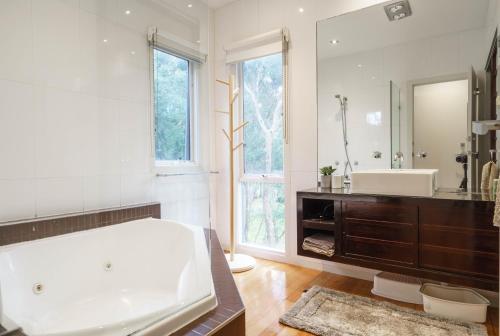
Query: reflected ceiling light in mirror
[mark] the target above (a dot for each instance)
(127, 12)
(334, 42)
(398, 10)
(374, 118)
(359, 66)
(105, 41)
(190, 5)
(301, 10)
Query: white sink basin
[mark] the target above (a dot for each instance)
(404, 182)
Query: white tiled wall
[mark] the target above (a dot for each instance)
(75, 104)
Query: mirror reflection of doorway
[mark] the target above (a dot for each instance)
(439, 128)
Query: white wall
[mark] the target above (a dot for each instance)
(75, 123)
(245, 18)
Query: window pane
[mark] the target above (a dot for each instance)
(263, 214)
(263, 108)
(171, 82)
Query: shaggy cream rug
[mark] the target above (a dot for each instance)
(326, 312)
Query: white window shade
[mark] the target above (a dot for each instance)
(175, 45)
(273, 42)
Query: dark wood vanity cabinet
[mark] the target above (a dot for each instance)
(445, 238)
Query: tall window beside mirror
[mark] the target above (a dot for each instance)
(262, 171)
(260, 64)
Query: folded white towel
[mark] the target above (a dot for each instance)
(320, 243)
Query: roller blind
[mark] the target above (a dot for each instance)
(261, 45)
(273, 42)
(175, 45)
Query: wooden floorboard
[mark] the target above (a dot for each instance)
(271, 288)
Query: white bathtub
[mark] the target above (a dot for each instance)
(146, 277)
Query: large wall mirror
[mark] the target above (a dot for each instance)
(400, 85)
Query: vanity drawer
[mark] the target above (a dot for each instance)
(380, 250)
(458, 238)
(380, 211)
(390, 231)
(459, 261)
(464, 215)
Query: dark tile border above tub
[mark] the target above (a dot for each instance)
(55, 226)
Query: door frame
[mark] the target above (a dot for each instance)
(411, 106)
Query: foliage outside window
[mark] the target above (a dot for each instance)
(172, 98)
(262, 183)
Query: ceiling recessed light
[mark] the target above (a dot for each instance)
(399, 10)
(132, 53)
(373, 77)
(334, 42)
(301, 10)
(127, 12)
(190, 6)
(359, 65)
(105, 41)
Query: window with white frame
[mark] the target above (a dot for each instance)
(172, 107)
(175, 67)
(262, 178)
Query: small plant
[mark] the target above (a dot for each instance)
(327, 171)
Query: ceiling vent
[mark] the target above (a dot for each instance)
(398, 10)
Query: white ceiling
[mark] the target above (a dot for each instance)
(369, 28)
(217, 3)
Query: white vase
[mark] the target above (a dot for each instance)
(326, 181)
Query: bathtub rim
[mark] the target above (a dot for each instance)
(202, 307)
